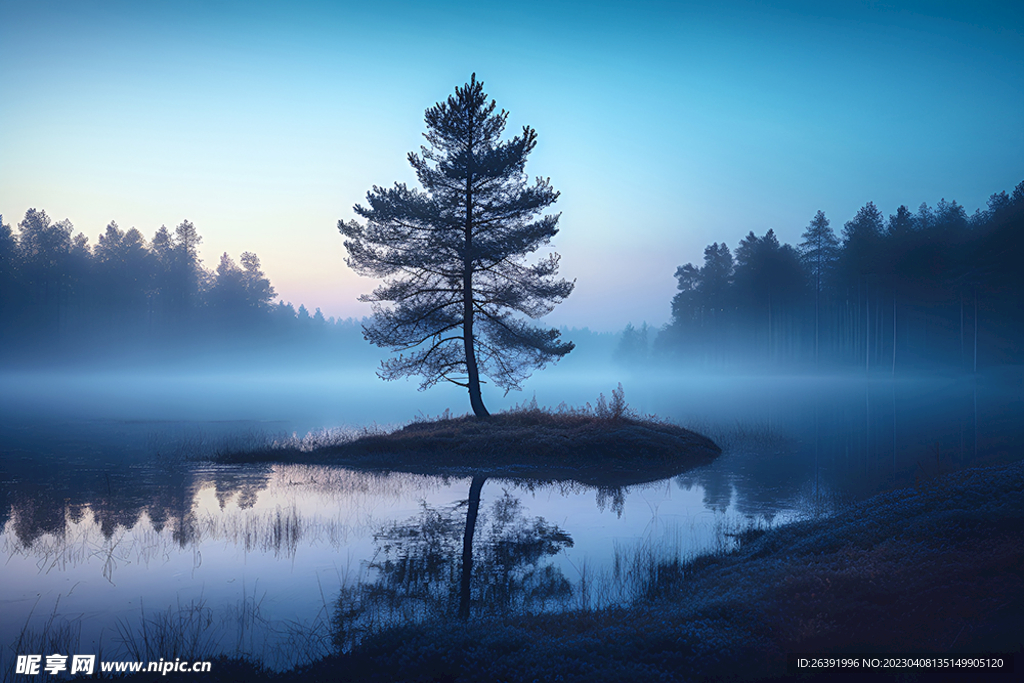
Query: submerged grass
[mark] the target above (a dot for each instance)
(190, 631)
(56, 634)
(240, 641)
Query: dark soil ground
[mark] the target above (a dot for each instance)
(936, 569)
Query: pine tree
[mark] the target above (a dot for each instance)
(257, 285)
(819, 249)
(901, 224)
(453, 255)
(860, 264)
(819, 252)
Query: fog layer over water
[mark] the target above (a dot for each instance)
(108, 519)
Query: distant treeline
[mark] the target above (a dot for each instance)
(130, 295)
(934, 287)
(129, 300)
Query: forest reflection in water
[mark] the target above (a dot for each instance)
(99, 531)
(270, 555)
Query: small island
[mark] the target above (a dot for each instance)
(606, 445)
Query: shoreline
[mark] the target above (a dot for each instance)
(937, 568)
(533, 444)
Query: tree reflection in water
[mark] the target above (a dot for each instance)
(420, 572)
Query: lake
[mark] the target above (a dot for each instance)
(114, 533)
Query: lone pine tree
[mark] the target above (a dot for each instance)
(453, 256)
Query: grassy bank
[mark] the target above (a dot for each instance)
(934, 569)
(606, 445)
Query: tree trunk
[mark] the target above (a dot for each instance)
(961, 331)
(975, 330)
(894, 335)
(476, 400)
(475, 397)
(817, 293)
(867, 333)
(467, 545)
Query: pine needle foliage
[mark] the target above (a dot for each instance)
(458, 291)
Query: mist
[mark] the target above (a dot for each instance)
(218, 270)
(105, 481)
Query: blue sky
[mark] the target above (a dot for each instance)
(665, 126)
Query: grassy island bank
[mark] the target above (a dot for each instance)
(609, 446)
(938, 568)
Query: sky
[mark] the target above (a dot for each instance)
(665, 125)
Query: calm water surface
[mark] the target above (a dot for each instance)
(109, 522)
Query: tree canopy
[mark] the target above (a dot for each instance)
(936, 287)
(453, 256)
(128, 299)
